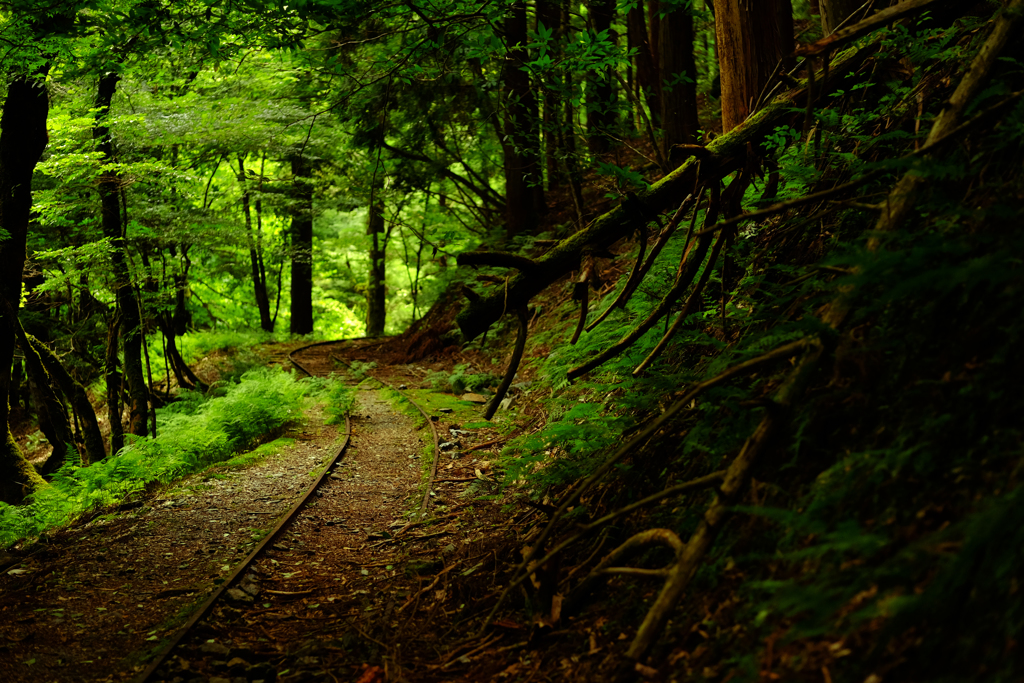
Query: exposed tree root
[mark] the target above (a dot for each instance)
(513, 364)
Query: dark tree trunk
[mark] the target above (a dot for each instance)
(524, 192)
(131, 315)
(22, 140)
(549, 14)
(647, 78)
(50, 410)
(113, 379)
(255, 239)
(751, 39)
(302, 248)
(75, 393)
(375, 291)
(678, 71)
(835, 12)
(602, 112)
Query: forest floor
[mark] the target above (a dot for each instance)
(357, 588)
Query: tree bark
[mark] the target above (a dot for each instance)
(255, 239)
(131, 314)
(113, 380)
(22, 140)
(376, 293)
(302, 248)
(75, 393)
(524, 192)
(549, 14)
(723, 155)
(647, 77)
(601, 106)
(751, 39)
(678, 72)
(835, 12)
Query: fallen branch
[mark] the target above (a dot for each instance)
(498, 259)
(573, 602)
(687, 270)
(847, 35)
(691, 303)
(513, 365)
(728, 495)
(726, 154)
(650, 430)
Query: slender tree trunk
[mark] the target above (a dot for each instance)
(302, 248)
(549, 13)
(75, 393)
(113, 379)
(259, 273)
(524, 192)
(602, 114)
(50, 410)
(113, 228)
(376, 295)
(834, 12)
(22, 140)
(751, 39)
(678, 71)
(647, 76)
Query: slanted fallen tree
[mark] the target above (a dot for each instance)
(949, 125)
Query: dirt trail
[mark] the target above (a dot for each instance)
(326, 592)
(91, 600)
(356, 588)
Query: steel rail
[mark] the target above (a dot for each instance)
(282, 523)
(426, 418)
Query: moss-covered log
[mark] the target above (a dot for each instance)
(725, 154)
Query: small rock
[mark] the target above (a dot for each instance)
(262, 671)
(446, 411)
(402, 387)
(336, 476)
(239, 595)
(506, 403)
(446, 446)
(215, 648)
(237, 664)
(474, 398)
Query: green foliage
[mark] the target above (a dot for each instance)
(460, 380)
(189, 438)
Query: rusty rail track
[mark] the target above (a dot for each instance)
(290, 516)
(267, 540)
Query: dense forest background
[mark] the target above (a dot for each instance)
(760, 263)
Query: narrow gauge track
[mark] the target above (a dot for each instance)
(246, 573)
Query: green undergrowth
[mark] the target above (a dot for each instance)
(886, 516)
(257, 455)
(192, 434)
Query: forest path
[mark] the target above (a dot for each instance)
(329, 584)
(354, 588)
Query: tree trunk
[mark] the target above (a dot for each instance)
(50, 410)
(549, 14)
(524, 192)
(751, 39)
(22, 140)
(375, 290)
(131, 315)
(601, 105)
(259, 271)
(302, 248)
(75, 393)
(678, 71)
(648, 80)
(113, 379)
(835, 12)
